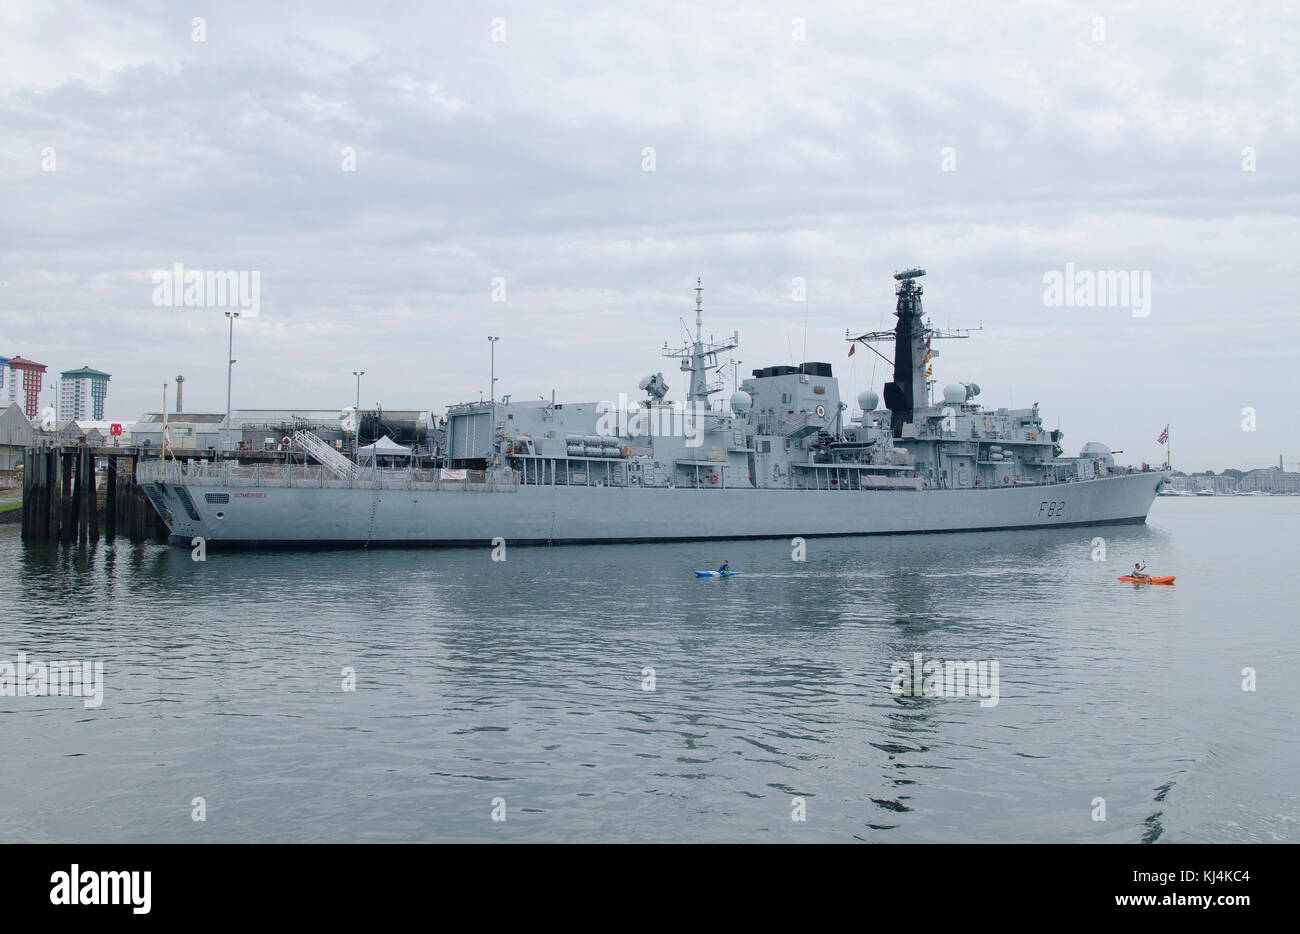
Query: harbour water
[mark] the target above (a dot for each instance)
(518, 688)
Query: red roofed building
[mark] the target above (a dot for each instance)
(32, 374)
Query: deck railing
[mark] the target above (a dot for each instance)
(227, 473)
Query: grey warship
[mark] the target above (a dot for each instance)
(782, 457)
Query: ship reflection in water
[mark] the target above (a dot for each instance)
(605, 693)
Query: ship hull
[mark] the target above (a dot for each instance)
(357, 517)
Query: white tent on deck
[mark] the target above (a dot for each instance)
(384, 447)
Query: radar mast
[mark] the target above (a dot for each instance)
(700, 356)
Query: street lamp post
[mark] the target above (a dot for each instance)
(230, 366)
(356, 413)
(492, 391)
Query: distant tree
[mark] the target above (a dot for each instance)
(1232, 472)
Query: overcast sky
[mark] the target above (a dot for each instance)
(790, 140)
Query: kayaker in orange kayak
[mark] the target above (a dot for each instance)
(1137, 571)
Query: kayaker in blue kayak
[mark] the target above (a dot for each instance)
(726, 567)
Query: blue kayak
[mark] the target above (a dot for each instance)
(716, 574)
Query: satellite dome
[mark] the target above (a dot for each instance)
(954, 394)
(741, 402)
(868, 400)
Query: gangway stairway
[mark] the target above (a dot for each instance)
(331, 459)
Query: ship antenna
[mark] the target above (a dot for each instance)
(699, 309)
(805, 335)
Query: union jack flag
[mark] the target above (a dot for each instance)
(1164, 436)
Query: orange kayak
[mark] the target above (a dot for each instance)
(1149, 580)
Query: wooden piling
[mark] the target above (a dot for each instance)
(85, 494)
(34, 461)
(67, 514)
(67, 472)
(110, 502)
(136, 506)
(61, 501)
(94, 499)
(52, 508)
(76, 502)
(67, 523)
(27, 495)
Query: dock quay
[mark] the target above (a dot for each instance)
(78, 493)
